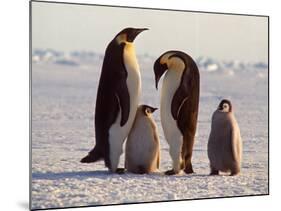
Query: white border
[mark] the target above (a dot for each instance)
(14, 53)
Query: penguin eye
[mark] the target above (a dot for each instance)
(225, 106)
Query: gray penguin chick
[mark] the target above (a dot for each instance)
(225, 143)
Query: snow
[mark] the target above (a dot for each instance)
(63, 100)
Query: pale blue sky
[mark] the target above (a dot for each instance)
(68, 27)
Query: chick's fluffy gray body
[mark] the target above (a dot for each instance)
(142, 147)
(225, 144)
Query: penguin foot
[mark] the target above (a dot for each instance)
(120, 171)
(188, 170)
(234, 173)
(171, 172)
(214, 172)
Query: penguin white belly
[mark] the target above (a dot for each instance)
(172, 133)
(118, 134)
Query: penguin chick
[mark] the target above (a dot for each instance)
(143, 147)
(225, 143)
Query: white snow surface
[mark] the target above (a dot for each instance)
(63, 104)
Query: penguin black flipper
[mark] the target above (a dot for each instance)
(186, 98)
(181, 95)
(122, 92)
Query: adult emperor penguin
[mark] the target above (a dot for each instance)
(142, 146)
(225, 143)
(179, 106)
(117, 99)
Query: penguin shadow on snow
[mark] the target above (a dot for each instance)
(103, 174)
(100, 174)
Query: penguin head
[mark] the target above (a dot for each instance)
(170, 60)
(225, 106)
(147, 110)
(128, 34)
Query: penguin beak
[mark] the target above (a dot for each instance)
(159, 70)
(153, 109)
(133, 34)
(142, 29)
(148, 109)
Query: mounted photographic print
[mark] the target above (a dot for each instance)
(135, 105)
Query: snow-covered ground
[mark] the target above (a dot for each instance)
(63, 101)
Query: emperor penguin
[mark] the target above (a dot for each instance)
(117, 99)
(225, 142)
(142, 147)
(179, 106)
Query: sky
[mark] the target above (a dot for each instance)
(68, 27)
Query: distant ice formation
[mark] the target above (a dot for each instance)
(82, 58)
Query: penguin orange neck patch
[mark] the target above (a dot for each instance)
(122, 38)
